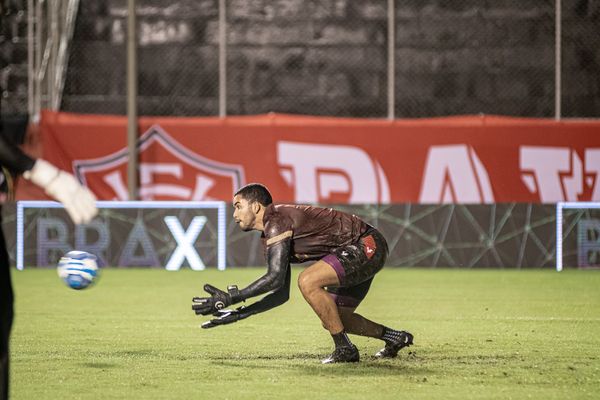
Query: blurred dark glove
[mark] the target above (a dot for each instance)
(217, 301)
(225, 317)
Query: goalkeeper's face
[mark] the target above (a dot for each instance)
(244, 213)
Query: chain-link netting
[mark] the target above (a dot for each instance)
(329, 57)
(315, 57)
(177, 58)
(580, 96)
(13, 57)
(473, 56)
(96, 73)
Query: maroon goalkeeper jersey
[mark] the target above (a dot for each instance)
(315, 231)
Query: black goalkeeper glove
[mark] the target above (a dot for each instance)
(217, 301)
(225, 317)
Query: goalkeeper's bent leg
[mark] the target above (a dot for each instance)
(311, 283)
(356, 324)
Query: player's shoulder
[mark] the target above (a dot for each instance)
(277, 220)
(295, 210)
(280, 211)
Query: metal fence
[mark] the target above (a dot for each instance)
(371, 58)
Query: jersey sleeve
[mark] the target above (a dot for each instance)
(278, 239)
(278, 229)
(273, 299)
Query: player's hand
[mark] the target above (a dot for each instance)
(78, 200)
(218, 300)
(225, 317)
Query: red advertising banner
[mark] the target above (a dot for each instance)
(472, 159)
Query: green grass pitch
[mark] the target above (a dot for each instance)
(495, 334)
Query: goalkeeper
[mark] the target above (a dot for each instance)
(348, 253)
(60, 185)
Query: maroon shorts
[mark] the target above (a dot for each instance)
(355, 266)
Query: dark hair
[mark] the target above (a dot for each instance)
(255, 192)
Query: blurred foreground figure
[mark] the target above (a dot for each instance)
(79, 202)
(348, 253)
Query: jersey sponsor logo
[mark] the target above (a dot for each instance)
(369, 246)
(560, 174)
(179, 175)
(331, 173)
(455, 174)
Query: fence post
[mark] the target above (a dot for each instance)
(132, 125)
(391, 81)
(222, 59)
(557, 61)
(30, 66)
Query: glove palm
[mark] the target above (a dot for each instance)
(225, 317)
(208, 305)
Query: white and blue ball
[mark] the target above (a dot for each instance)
(78, 269)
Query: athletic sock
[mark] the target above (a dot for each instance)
(390, 335)
(341, 340)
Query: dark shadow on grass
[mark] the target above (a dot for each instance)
(127, 354)
(273, 357)
(99, 365)
(134, 353)
(310, 364)
(478, 359)
(366, 368)
(407, 357)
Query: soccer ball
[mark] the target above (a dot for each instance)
(78, 269)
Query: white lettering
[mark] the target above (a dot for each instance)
(454, 173)
(203, 185)
(115, 181)
(185, 243)
(316, 171)
(592, 167)
(148, 190)
(555, 173)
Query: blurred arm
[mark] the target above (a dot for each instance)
(62, 186)
(13, 158)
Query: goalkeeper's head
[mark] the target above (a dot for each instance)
(249, 204)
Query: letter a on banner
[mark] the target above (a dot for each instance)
(185, 243)
(455, 174)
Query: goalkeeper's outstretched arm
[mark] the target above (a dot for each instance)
(278, 261)
(272, 300)
(278, 258)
